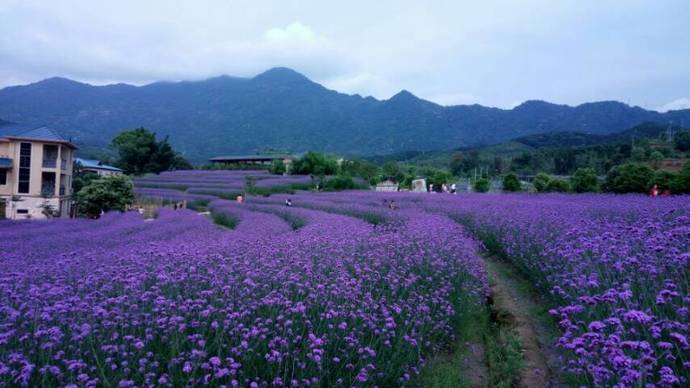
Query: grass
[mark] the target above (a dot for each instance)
(224, 220)
(501, 355)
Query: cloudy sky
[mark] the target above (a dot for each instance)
(496, 53)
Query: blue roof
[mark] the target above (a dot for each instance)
(92, 163)
(23, 132)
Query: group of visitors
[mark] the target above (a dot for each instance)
(449, 189)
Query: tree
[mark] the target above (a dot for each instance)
(392, 171)
(81, 178)
(340, 182)
(315, 163)
(277, 167)
(437, 178)
(681, 183)
(584, 180)
(656, 157)
(557, 185)
(511, 183)
(663, 179)
(463, 162)
(638, 154)
(541, 182)
(682, 140)
(481, 185)
(629, 178)
(140, 153)
(105, 194)
(360, 168)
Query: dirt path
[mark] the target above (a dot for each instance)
(513, 304)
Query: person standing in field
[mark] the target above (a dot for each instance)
(654, 191)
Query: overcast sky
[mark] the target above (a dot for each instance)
(496, 53)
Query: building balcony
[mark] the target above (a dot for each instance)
(49, 163)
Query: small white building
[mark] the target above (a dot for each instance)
(387, 186)
(98, 167)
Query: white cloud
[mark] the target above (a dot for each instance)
(677, 104)
(295, 33)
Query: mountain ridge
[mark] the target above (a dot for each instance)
(282, 109)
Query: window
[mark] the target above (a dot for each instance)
(22, 211)
(3, 177)
(24, 168)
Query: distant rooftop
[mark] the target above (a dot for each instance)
(12, 130)
(92, 163)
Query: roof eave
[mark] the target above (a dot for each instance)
(63, 142)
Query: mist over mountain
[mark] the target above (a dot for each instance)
(283, 110)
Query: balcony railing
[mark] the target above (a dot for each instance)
(49, 163)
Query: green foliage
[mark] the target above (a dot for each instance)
(224, 220)
(277, 167)
(481, 185)
(392, 171)
(584, 180)
(663, 179)
(315, 163)
(437, 178)
(140, 153)
(638, 154)
(249, 184)
(682, 141)
(340, 182)
(629, 178)
(541, 182)
(511, 183)
(105, 194)
(681, 183)
(361, 168)
(81, 178)
(464, 162)
(557, 185)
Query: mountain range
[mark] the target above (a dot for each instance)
(282, 110)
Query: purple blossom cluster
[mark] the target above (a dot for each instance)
(616, 268)
(180, 301)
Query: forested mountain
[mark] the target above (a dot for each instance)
(281, 109)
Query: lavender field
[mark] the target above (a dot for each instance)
(338, 290)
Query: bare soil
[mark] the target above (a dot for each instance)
(516, 307)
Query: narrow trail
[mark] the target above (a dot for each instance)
(514, 303)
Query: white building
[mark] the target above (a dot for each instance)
(97, 167)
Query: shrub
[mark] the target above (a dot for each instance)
(681, 183)
(682, 140)
(340, 182)
(481, 185)
(511, 183)
(541, 182)
(629, 178)
(277, 167)
(584, 180)
(663, 179)
(105, 194)
(558, 185)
